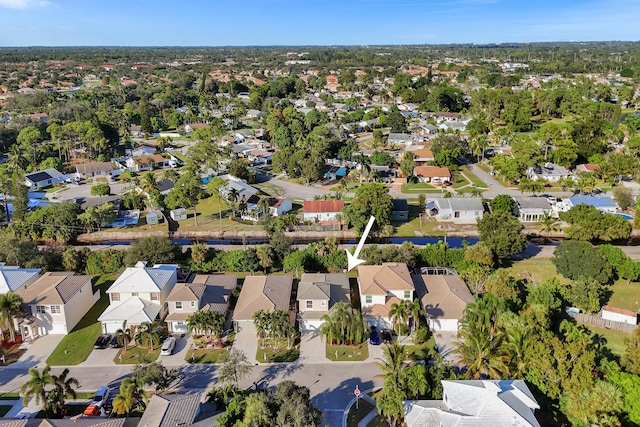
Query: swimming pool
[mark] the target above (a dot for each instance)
(625, 216)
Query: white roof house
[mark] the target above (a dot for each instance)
(476, 403)
(138, 295)
(13, 278)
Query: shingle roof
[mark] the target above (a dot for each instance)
(442, 296)
(135, 310)
(54, 288)
(267, 293)
(380, 279)
(533, 203)
(330, 286)
(11, 278)
(460, 203)
(213, 291)
(92, 167)
(171, 410)
(312, 206)
(87, 422)
(431, 171)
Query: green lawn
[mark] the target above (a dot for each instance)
(78, 344)
(204, 355)
(422, 351)
(615, 339)
(355, 415)
(625, 296)
(347, 353)
(473, 178)
(135, 355)
(279, 353)
(467, 190)
(460, 182)
(420, 187)
(10, 396)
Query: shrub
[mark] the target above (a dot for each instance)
(100, 190)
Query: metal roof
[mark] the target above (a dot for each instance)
(171, 410)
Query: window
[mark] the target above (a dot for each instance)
(368, 299)
(407, 294)
(55, 309)
(309, 304)
(324, 303)
(154, 296)
(178, 305)
(134, 294)
(193, 304)
(115, 297)
(41, 309)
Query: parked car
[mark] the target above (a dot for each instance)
(386, 336)
(168, 346)
(101, 397)
(374, 338)
(114, 342)
(102, 341)
(447, 183)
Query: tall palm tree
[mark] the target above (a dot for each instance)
(392, 364)
(399, 315)
(232, 198)
(63, 388)
(16, 162)
(36, 385)
(547, 223)
(149, 183)
(131, 396)
(10, 308)
(124, 335)
(265, 256)
(416, 311)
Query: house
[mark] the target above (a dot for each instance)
(422, 156)
(205, 293)
(619, 315)
(380, 287)
(55, 303)
(317, 294)
(400, 210)
(81, 421)
(244, 191)
(190, 127)
(138, 295)
(322, 210)
(444, 298)
(145, 163)
(171, 410)
(456, 209)
(604, 204)
(13, 278)
(434, 174)
(277, 207)
(467, 403)
(335, 172)
(91, 169)
(44, 178)
(268, 293)
(587, 168)
(400, 138)
(254, 114)
(444, 116)
(549, 172)
(430, 130)
(532, 209)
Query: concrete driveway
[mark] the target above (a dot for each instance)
(445, 341)
(101, 357)
(74, 191)
(38, 352)
(312, 348)
(246, 340)
(179, 352)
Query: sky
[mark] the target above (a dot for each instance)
(312, 22)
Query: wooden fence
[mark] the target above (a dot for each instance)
(590, 319)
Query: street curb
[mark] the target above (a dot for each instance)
(350, 404)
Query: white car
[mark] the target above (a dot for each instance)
(168, 346)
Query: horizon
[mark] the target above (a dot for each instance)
(274, 23)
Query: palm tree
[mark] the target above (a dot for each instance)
(37, 384)
(124, 335)
(131, 396)
(547, 224)
(328, 329)
(416, 311)
(399, 315)
(392, 364)
(16, 161)
(365, 165)
(149, 334)
(515, 339)
(214, 187)
(10, 308)
(232, 197)
(64, 387)
(265, 256)
(149, 183)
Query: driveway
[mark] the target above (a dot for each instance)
(101, 357)
(445, 341)
(179, 352)
(38, 352)
(312, 348)
(294, 191)
(75, 191)
(246, 340)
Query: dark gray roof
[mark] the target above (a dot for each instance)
(400, 205)
(171, 410)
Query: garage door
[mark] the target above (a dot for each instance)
(310, 325)
(111, 327)
(179, 327)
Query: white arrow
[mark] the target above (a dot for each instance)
(353, 260)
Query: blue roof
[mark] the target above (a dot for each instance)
(597, 202)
